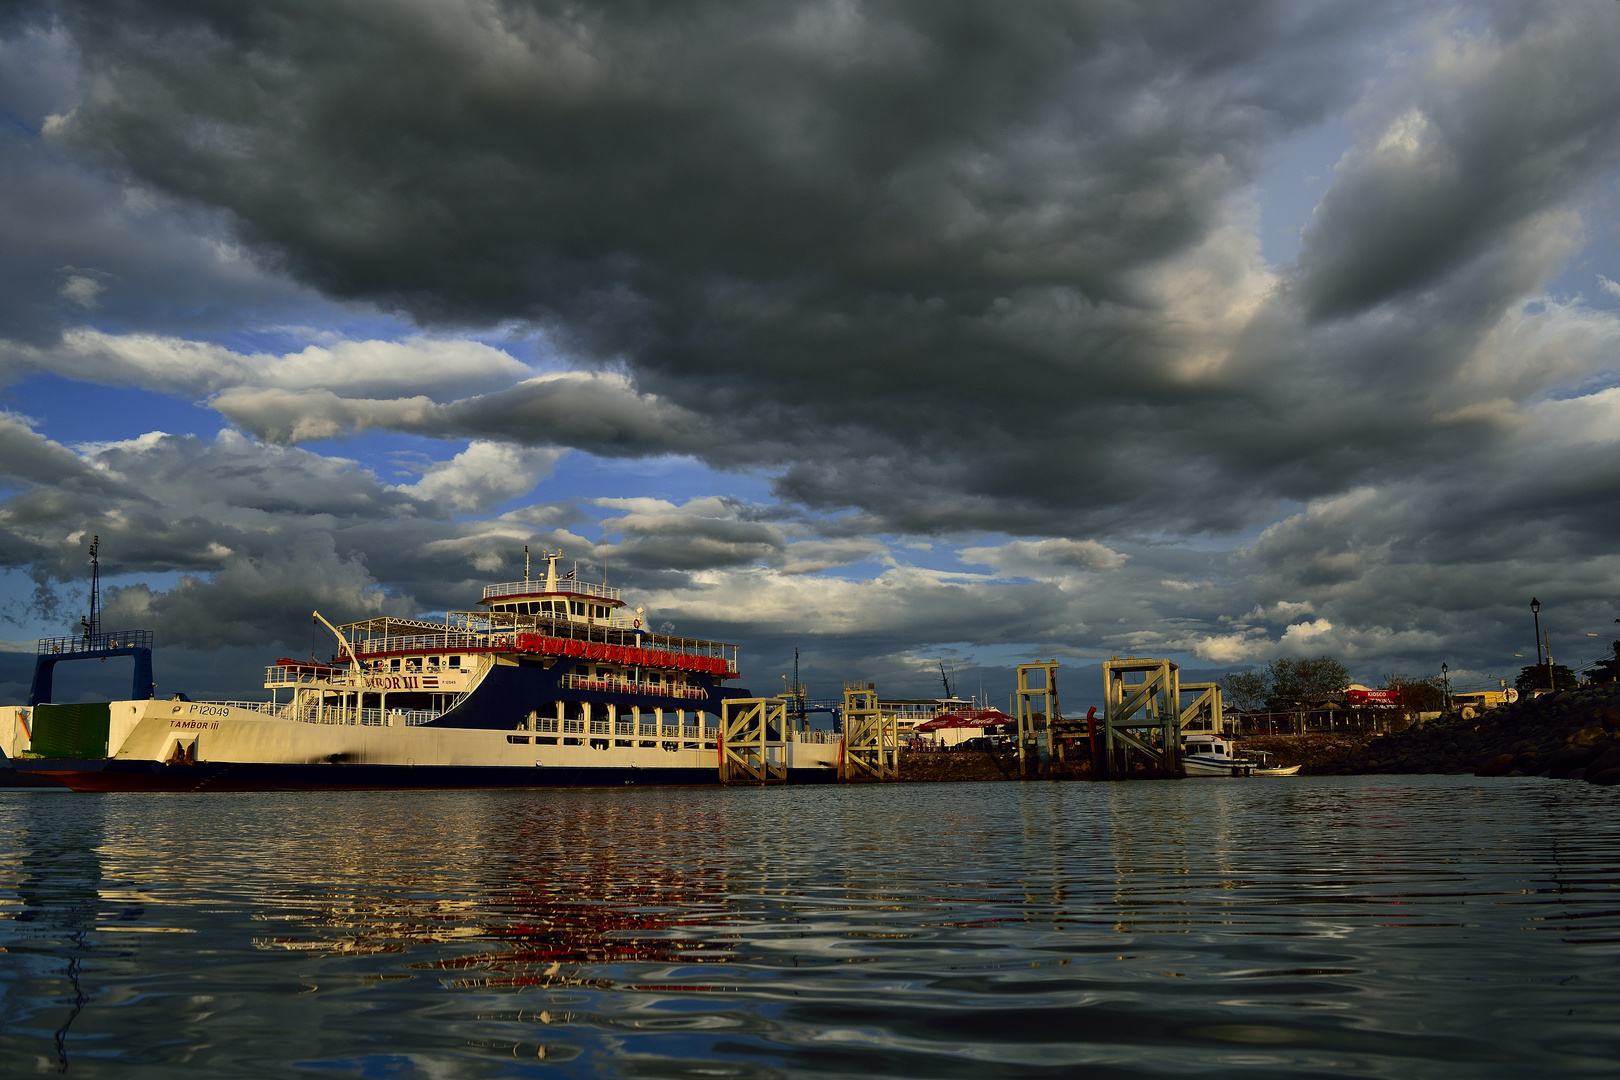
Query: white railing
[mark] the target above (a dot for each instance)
(538, 587)
(283, 675)
(313, 713)
(449, 642)
(615, 685)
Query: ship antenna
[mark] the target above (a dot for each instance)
(93, 627)
(525, 564)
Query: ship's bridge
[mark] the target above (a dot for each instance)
(554, 596)
(563, 598)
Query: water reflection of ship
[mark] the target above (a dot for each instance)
(533, 932)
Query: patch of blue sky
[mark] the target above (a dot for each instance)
(322, 324)
(676, 479)
(77, 412)
(394, 457)
(1594, 274)
(20, 621)
(1594, 383)
(1296, 175)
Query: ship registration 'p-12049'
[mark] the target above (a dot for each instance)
(551, 681)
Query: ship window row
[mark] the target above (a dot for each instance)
(557, 608)
(417, 664)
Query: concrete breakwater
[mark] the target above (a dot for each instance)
(1573, 734)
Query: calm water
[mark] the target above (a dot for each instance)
(1386, 927)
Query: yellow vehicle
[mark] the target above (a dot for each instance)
(1474, 702)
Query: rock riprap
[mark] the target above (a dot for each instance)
(1573, 734)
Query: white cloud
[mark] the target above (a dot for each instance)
(417, 365)
(1054, 558)
(482, 476)
(1301, 632)
(1226, 648)
(82, 291)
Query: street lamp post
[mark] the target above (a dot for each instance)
(1535, 613)
(1445, 689)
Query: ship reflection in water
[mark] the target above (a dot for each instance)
(1362, 926)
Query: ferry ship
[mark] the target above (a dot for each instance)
(551, 681)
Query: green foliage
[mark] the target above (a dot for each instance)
(1419, 695)
(1534, 677)
(1247, 690)
(1606, 670)
(1296, 681)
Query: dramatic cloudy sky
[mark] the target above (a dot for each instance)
(895, 331)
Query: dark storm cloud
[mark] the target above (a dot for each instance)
(1472, 141)
(883, 244)
(967, 269)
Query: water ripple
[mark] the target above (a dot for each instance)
(1404, 927)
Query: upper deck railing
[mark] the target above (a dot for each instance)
(538, 587)
(93, 643)
(479, 633)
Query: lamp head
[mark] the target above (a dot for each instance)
(1535, 606)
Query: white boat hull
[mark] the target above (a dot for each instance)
(1198, 765)
(166, 745)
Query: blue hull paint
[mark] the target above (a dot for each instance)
(100, 774)
(506, 696)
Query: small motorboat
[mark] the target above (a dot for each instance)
(1267, 769)
(1208, 754)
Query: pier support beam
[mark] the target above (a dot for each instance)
(1037, 684)
(871, 740)
(753, 749)
(1205, 708)
(1142, 717)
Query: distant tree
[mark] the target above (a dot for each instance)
(1534, 677)
(1296, 681)
(1247, 690)
(1419, 695)
(1606, 670)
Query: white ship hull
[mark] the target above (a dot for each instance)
(170, 745)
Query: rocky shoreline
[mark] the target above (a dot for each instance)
(1573, 734)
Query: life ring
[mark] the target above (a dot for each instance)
(637, 623)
